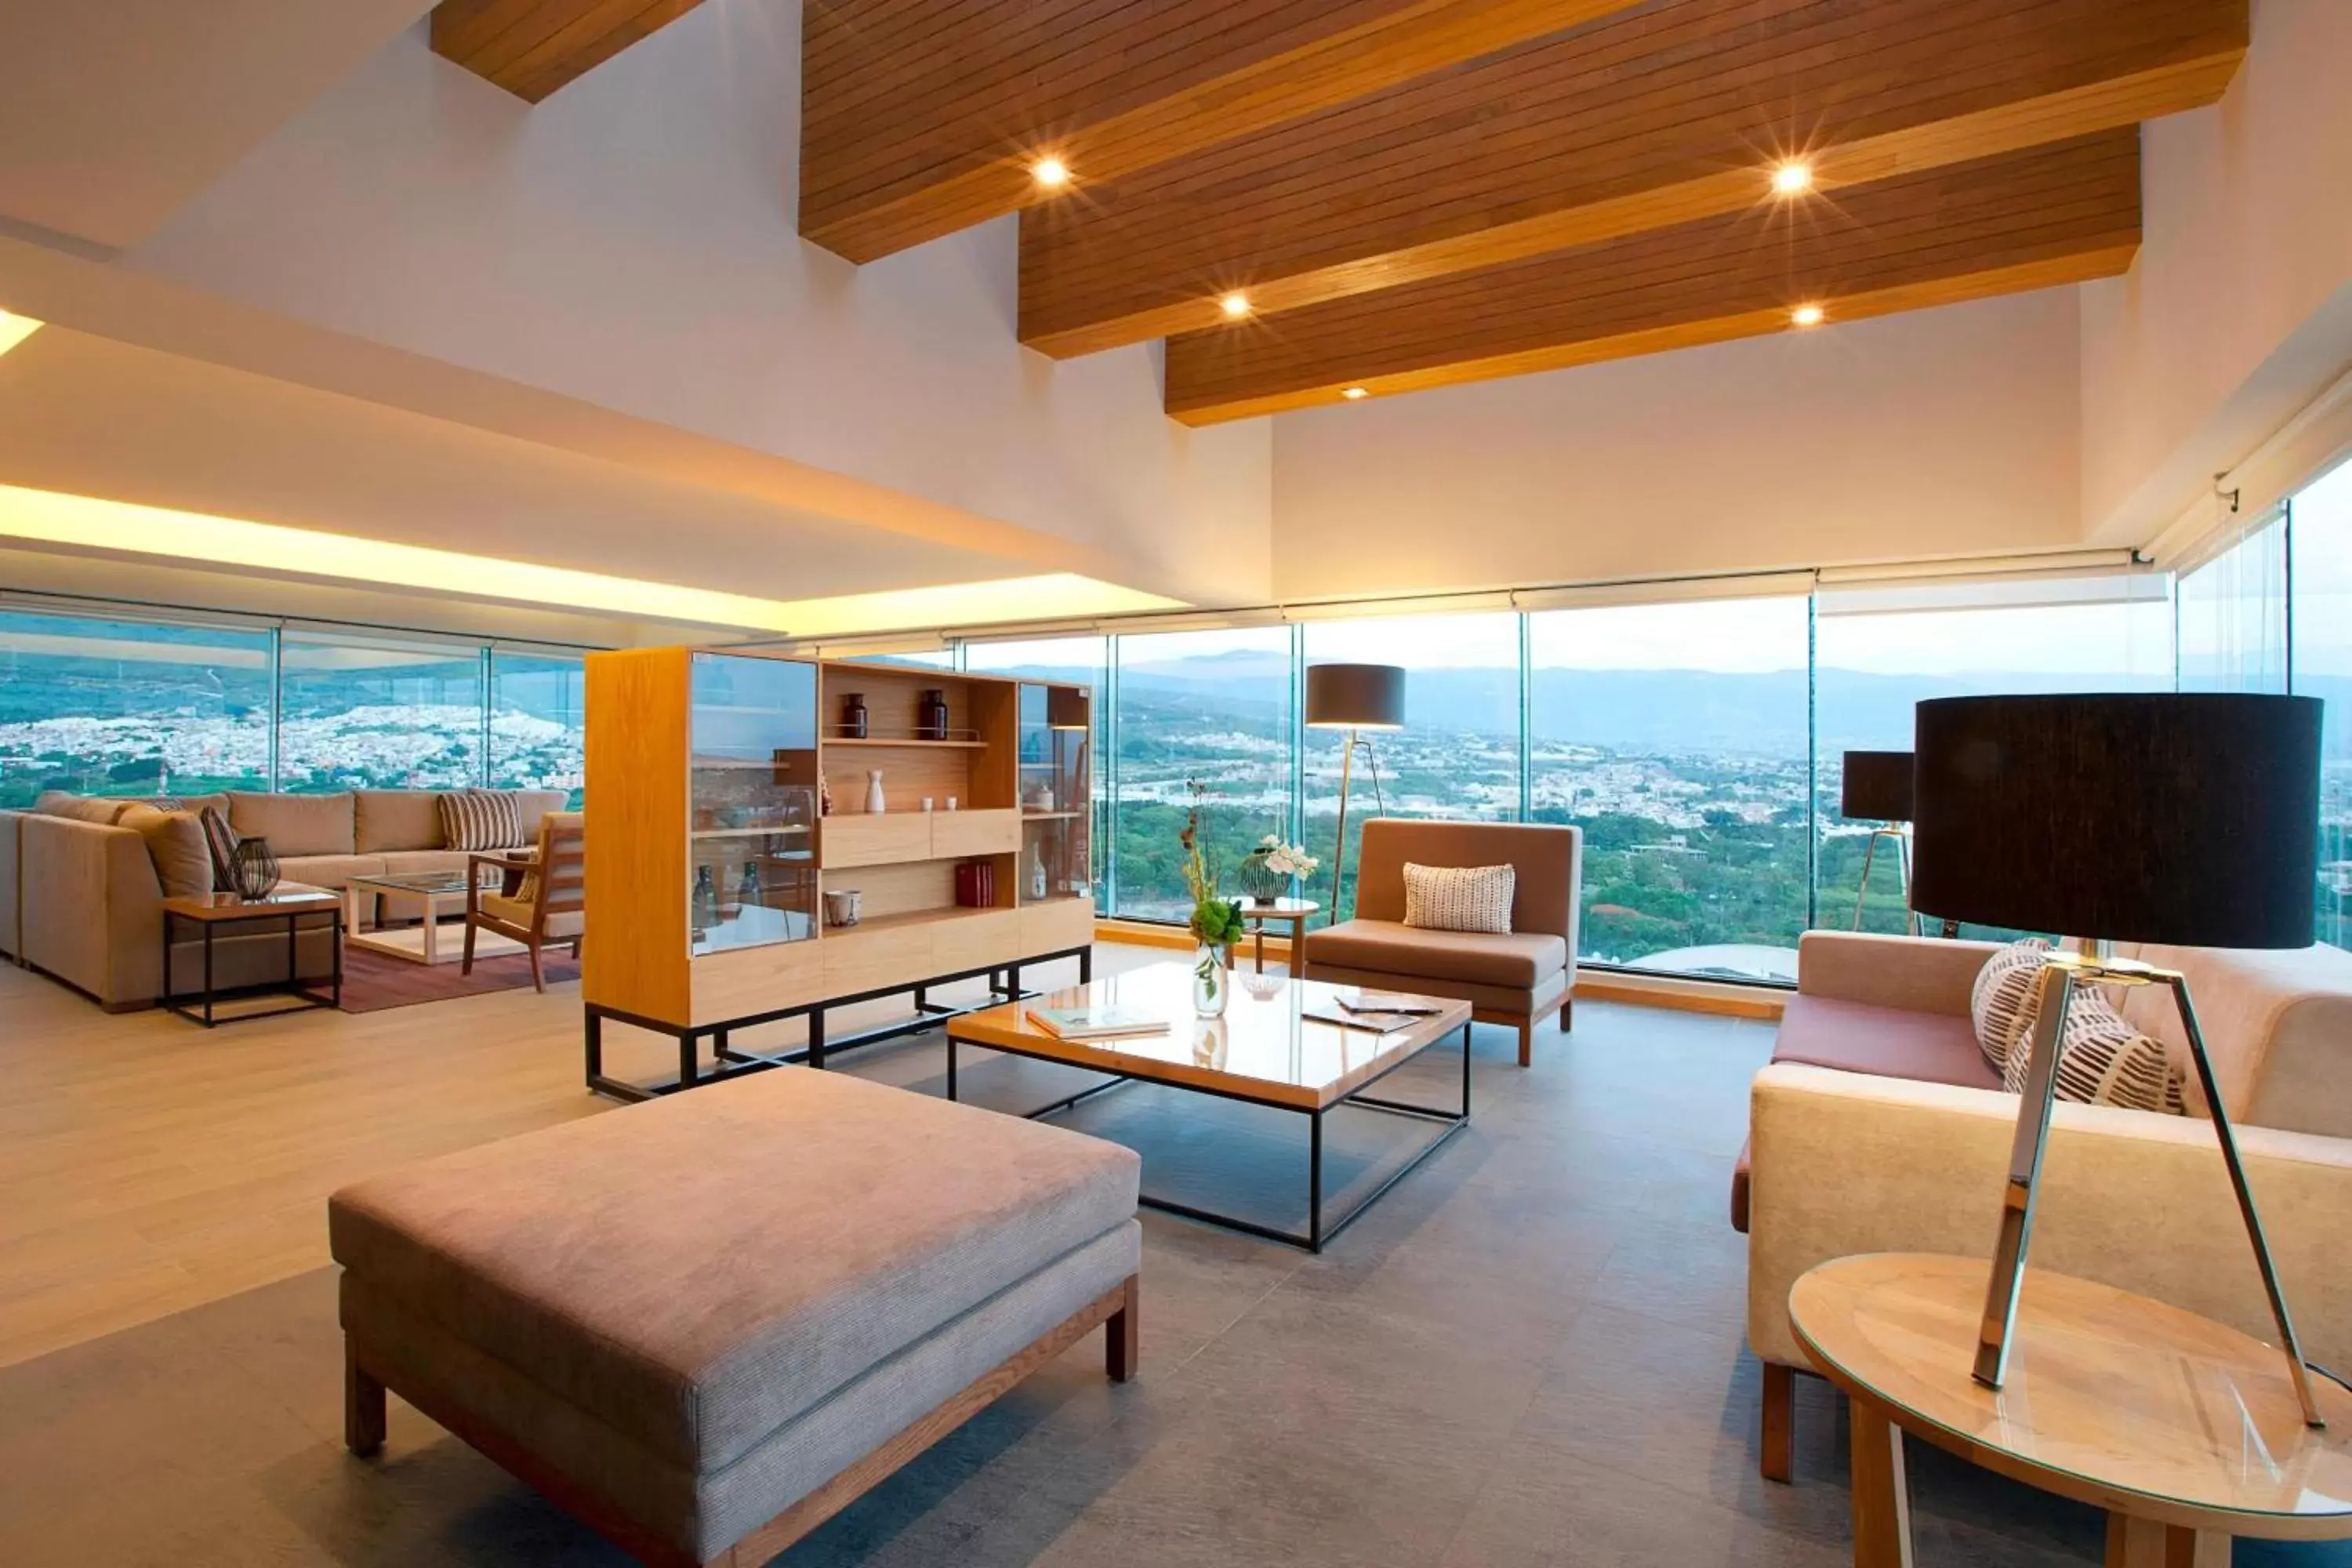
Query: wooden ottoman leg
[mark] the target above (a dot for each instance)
(1527, 1042)
(1780, 1421)
(1123, 1335)
(363, 1407)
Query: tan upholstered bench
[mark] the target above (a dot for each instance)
(705, 1324)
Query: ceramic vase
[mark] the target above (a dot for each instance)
(874, 802)
(1211, 980)
(1261, 882)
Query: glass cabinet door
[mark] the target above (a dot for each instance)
(1057, 790)
(752, 803)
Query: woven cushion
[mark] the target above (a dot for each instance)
(480, 820)
(1459, 897)
(178, 845)
(2103, 1060)
(220, 843)
(2001, 1000)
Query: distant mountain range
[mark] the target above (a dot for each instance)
(1763, 714)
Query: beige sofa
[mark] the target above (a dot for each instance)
(83, 895)
(1873, 1131)
(1518, 977)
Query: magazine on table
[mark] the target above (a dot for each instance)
(1095, 1022)
(1369, 1022)
(1390, 1004)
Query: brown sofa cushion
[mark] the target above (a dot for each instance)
(385, 819)
(1519, 959)
(332, 872)
(803, 1228)
(1544, 857)
(93, 809)
(1892, 1042)
(294, 824)
(176, 844)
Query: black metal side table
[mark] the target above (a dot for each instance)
(210, 913)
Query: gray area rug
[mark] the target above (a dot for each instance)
(1528, 1352)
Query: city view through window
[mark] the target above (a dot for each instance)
(1698, 745)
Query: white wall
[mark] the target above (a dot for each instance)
(2239, 308)
(1943, 432)
(631, 241)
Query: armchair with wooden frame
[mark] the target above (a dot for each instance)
(547, 908)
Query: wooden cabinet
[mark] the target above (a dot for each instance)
(728, 793)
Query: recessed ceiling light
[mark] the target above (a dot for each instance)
(1792, 178)
(1050, 173)
(1234, 305)
(15, 330)
(1352, 393)
(1808, 315)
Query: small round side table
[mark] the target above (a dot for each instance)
(1294, 910)
(2186, 1431)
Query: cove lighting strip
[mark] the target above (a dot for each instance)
(89, 523)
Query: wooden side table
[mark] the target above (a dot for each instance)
(212, 911)
(2186, 1431)
(1297, 911)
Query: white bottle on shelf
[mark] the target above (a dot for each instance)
(874, 802)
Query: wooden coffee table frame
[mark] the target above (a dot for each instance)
(1318, 1234)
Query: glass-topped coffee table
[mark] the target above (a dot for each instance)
(427, 897)
(1266, 1050)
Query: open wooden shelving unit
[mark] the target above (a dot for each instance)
(663, 799)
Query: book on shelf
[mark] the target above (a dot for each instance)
(1095, 1022)
(975, 883)
(1400, 1003)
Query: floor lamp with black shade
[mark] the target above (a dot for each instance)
(2185, 820)
(1875, 787)
(1354, 697)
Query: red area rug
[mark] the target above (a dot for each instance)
(375, 981)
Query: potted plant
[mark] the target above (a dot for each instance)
(1274, 869)
(1216, 922)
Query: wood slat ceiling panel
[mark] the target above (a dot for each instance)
(530, 47)
(2049, 215)
(1656, 116)
(920, 117)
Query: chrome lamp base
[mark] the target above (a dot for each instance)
(2059, 977)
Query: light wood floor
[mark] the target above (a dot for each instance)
(148, 1166)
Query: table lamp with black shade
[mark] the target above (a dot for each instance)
(2185, 820)
(1875, 787)
(1354, 697)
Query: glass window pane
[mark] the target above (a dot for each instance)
(125, 708)
(1458, 754)
(364, 714)
(1079, 661)
(2323, 668)
(1676, 736)
(1214, 707)
(538, 723)
(2232, 616)
(1871, 669)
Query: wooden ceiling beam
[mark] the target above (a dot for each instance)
(530, 47)
(922, 117)
(2054, 215)
(1664, 116)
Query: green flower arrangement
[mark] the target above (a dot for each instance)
(1216, 920)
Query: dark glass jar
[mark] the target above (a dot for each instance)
(931, 715)
(853, 716)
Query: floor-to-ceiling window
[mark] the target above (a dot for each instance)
(98, 706)
(368, 713)
(1878, 653)
(1208, 709)
(2231, 614)
(1085, 660)
(2323, 668)
(1458, 753)
(1676, 736)
(539, 722)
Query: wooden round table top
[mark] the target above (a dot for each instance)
(2111, 1398)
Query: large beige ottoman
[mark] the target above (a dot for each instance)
(705, 1324)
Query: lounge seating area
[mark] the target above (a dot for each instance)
(907, 783)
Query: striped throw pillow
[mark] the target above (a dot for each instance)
(1459, 897)
(482, 819)
(220, 840)
(2000, 1004)
(2103, 1060)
